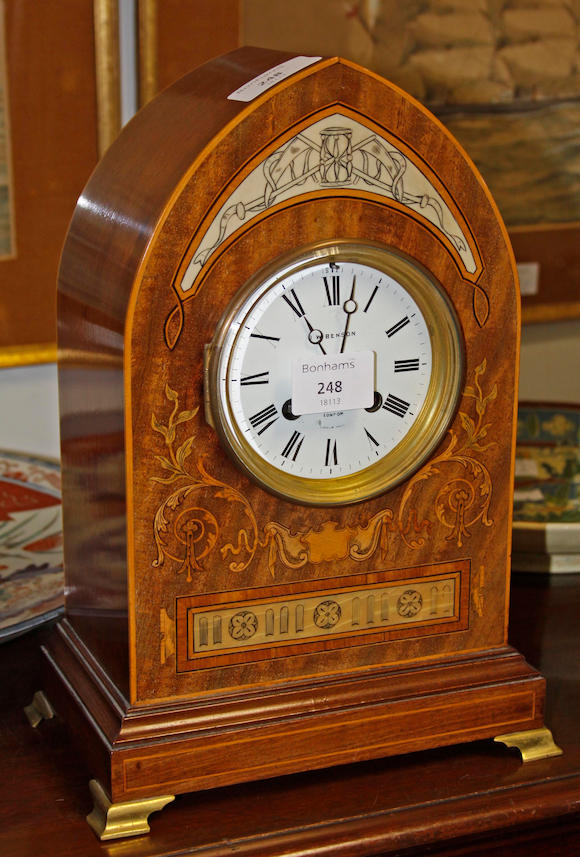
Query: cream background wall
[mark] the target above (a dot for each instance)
(29, 410)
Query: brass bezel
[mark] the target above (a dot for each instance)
(432, 420)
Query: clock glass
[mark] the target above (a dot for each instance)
(335, 372)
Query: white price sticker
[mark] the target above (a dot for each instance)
(333, 382)
(262, 82)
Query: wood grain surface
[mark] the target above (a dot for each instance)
(140, 462)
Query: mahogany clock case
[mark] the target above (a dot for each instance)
(216, 632)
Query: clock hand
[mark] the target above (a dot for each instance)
(287, 411)
(293, 301)
(376, 405)
(349, 307)
(315, 335)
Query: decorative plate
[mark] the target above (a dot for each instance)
(31, 562)
(546, 532)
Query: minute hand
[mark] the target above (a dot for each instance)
(349, 307)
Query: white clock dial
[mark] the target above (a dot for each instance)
(325, 315)
(325, 367)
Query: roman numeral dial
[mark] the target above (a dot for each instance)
(407, 365)
(331, 456)
(395, 405)
(263, 419)
(294, 303)
(403, 322)
(293, 446)
(256, 378)
(332, 288)
(324, 370)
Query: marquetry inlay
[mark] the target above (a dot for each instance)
(335, 612)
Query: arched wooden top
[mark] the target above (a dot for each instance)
(145, 174)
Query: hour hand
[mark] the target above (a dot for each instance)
(315, 336)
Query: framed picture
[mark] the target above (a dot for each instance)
(177, 35)
(502, 77)
(546, 523)
(59, 108)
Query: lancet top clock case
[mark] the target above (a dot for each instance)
(288, 335)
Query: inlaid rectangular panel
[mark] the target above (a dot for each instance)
(249, 625)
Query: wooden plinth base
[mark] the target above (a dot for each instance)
(131, 818)
(191, 745)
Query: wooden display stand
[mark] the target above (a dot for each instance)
(170, 549)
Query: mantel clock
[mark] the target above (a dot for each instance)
(288, 333)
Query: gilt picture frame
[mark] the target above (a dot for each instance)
(59, 109)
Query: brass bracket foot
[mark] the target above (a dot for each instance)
(39, 709)
(533, 745)
(128, 818)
